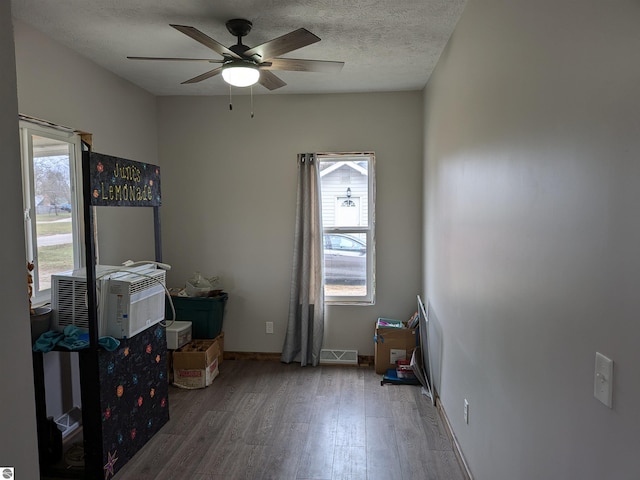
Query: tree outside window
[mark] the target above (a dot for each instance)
(50, 160)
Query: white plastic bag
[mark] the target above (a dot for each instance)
(200, 286)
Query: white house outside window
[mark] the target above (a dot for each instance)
(347, 185)
(51, 166)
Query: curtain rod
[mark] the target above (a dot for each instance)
(337, 154)
(343, 154)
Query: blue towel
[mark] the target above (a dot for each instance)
(47, 341)
(73, 338)
(109, 343)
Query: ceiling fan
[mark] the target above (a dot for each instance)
(243, 66)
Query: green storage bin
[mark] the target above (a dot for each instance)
(204, 313)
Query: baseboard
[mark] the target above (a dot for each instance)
(365, 361)
(456, 446)
(263, 356)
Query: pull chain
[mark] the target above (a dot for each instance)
(231, 102)
(251, 87)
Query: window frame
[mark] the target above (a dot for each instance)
(368, 231)
(27, 130)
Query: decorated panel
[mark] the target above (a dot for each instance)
(134, 395)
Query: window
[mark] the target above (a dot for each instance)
(347, 185)
(51, 167)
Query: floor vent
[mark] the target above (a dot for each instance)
(342, 357)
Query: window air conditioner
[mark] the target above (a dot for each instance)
(130, 299)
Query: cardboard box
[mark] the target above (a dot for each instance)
(196, 364)
(220, 340)
(391, 345)
(196, 378)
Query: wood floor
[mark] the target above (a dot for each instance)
(267, 420)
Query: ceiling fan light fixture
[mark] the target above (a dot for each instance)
(241, 65)
(241, 74)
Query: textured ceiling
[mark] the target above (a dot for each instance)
(386, 45)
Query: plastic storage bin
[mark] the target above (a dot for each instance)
(204, 313)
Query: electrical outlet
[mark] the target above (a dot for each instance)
(466, 411)
(269, 327)
(603, 381)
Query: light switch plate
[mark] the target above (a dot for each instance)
(603, 380)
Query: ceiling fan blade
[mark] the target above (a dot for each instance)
(299, 65)
(286, 43)
(204, 76)
(178, 59)
(206, 40)
(270, 81)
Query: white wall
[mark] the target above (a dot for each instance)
(532, 141)
(18, 444)
(229, 185)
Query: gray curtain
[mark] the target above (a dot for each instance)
(305, 328)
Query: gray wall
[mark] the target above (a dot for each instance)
(17, 415)
(532, 231)
(229, 184)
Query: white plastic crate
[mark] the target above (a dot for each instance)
(70, 421)
(178, 334)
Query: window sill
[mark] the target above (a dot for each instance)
(359, 303)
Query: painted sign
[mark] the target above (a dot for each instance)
(121, 182)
